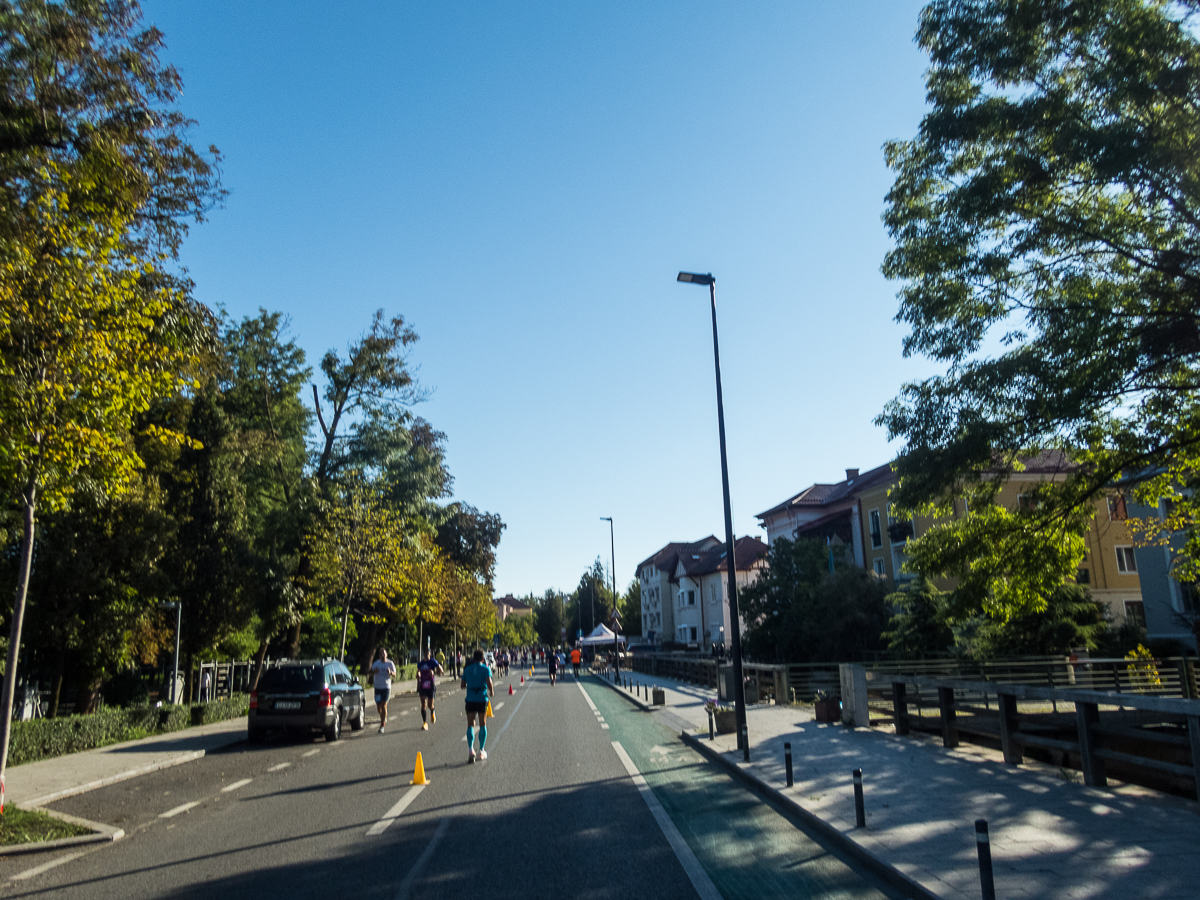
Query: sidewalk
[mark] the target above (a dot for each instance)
(1050, 835)
(38, 783)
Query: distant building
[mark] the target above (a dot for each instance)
(508, 605)
(1169, 605)
(685, 591)
(855, 515)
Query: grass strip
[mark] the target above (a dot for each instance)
(26, 826)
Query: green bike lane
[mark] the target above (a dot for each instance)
(748, 849)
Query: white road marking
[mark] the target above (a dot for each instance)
(415, 871)
(236, 785)
(179, 809)
(699, 878)
(394, 813)
(310, 753)
(405, 712)
(604, 726)
(499, 705)
(579, 685)
(47, 866)
(464, 740)
(278, 767)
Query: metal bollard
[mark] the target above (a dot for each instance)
(984, 845)
(860, 813)
(787, 762)
(712, 728)
(745, 745)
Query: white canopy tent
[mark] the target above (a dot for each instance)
(602, 635)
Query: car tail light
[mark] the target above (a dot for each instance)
(254, 699)
(326, 697)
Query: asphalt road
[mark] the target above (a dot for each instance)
(554, 811)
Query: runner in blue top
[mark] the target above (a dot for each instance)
(477, 682)
(427, 685)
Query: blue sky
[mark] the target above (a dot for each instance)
(522, 182)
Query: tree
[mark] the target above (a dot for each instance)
(799, 611)
(631, 609)
(548, 613)
(1047, 236)
(1070, 620)
(96, 182)
(469, 538)
(918, 627)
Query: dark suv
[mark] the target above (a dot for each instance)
(306, 695)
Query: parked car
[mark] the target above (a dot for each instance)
(306, 696)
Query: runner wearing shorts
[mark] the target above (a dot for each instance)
(576, 659)
(477, 682)
(427, 685)
(552, 665)
(383, 669)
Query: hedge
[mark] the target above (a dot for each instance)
(47, 738)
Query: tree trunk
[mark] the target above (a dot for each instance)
(367, 656)
(259, 659)
(29, 504)
(294, 643)
(59, 671)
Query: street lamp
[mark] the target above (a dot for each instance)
(178, 607)
(739, 693)
(612, 543)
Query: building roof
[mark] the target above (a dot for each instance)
(665, 559)
(825, 495)
(746, 550)
(511, 602)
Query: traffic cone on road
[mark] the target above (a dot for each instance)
(490, 714)
(510, 690)
(419, 771)
(522, 679)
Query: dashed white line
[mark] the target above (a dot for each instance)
(499, 705)
(394, 813)
(47, 866)
(179, 809)
(310, 753)
(236, 785)
(604, 726)
(278, 767)
(699, 878)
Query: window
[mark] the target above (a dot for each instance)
(693, 630)
(1083, 576)
(1135, 612)
(691, 598)
(876, 530)
(1126, 561)
(1116, 509)
(878, 563)
(1189, 597)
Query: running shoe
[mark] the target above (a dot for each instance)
(432, 716)
(382, 729)
(482, 755)
(470, 756)
(424, 726)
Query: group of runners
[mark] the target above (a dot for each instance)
(476, 680)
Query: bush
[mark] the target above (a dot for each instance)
(48, 738)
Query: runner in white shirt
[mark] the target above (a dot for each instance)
(383, 669)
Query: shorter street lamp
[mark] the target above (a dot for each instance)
(178, 607)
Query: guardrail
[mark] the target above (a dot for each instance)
(1140, 732)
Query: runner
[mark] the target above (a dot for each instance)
(477, 682)
(427, 685)
(383, 669)
(576, 658)
(552, 665)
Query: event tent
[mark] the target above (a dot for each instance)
(601, 635)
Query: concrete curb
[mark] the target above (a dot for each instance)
(645, 707)
(798, 814)
(104, 834)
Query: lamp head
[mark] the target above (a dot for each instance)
(696, 278)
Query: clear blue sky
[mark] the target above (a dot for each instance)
(523, 181)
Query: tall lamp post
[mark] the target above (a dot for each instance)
(612, 543)
(178, 607)
(739, 693)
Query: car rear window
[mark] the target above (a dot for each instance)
(286, 678)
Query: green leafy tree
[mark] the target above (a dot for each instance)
(1071, 619)
(631, 609)
(799, 611)
(919, 624)
(548, 615)
(1046, 234)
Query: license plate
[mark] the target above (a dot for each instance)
(287, 704)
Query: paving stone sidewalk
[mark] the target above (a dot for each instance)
(1051, 836)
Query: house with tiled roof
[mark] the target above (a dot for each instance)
(855, 514)
(508, 605)
(685, 589)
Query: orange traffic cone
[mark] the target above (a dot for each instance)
(419, 771)
(490, 714)
(522, 679)
(510, 690)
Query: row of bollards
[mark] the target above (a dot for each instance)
(982, 840)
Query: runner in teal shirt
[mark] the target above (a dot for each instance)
(477, 681)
